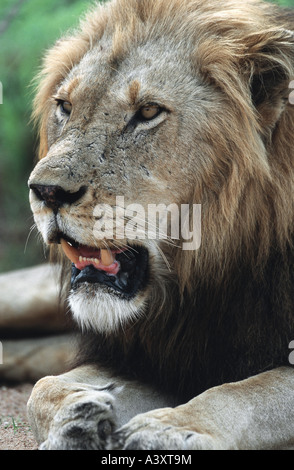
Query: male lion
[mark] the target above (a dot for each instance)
(171, 102)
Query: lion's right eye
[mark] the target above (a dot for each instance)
(65, 106)
(149, 112)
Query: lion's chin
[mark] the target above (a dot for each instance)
(94, 308)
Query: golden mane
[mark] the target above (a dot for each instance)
(239, 47)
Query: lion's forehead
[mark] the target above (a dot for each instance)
(158, 69)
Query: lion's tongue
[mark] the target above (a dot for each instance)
(83, 256)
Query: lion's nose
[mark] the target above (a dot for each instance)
(55, 196)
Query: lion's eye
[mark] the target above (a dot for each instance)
(149, 112)
(65, 106)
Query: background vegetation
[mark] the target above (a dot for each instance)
(27, 28)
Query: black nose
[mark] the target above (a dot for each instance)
(55, 197)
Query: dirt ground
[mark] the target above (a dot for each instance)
(15, 432)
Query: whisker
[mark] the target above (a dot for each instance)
(160, 235)
(44, 250)
(163, 256)
(34, 226)
(120, 246)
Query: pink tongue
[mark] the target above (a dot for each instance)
(103, 260)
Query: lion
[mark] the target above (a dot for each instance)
(182, 103)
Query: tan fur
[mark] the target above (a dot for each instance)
(220, 70)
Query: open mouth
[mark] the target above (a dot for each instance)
(123, 271)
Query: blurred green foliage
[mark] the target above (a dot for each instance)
(27, 29)
(284, 3)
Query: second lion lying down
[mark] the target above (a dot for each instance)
(171, 102)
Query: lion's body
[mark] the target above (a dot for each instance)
(218, 74)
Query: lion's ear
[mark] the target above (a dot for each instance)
(270, 56)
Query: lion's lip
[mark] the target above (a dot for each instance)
(123, 271)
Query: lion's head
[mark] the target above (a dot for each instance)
(176, 102)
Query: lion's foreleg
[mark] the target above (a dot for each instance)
(81, 409)
(257, 413)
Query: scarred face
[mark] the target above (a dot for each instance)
(115, 137)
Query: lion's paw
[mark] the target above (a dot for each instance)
(83, 425)
(148, 433)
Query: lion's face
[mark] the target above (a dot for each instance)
(149, 121)
(127, 133)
